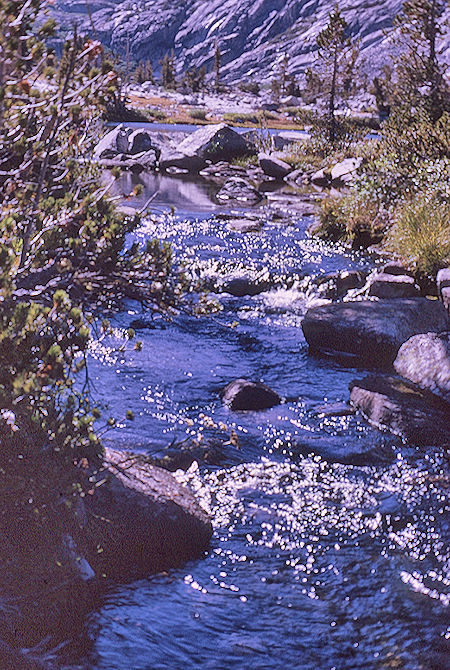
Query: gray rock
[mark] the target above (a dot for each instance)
(395, 268)
(443, 279)
(237, 188)
(425, 360)
(371, 331)
(445, 297)
(403, 408)
(321, 178)
(142, 518)
(393, 286)
(273, 167)
(114, 142)
(171, 158)
(243, 394)
(215, 143)
(243, 285)
(140, 141)
(344, 171)
(244, 225)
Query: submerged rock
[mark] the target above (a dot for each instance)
(239, 189)
(404, 408)
(242, 394)
(371, 331)
(425, 360)
(240, 285)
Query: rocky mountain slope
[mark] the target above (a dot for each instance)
(253, 34)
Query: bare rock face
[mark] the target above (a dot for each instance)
(403, 408)
(425, 360)
(371, 331)
(253, 34)
(242, 394)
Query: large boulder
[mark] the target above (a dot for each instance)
(215, 143)
(273, 166)
(321, 178)
(242, 394)
(403, 408)
(371, 331)
(141, 141)
(425, 360)
(385, 285)
(114, 142)
(239, 189)
(141, 518)
(173, 158)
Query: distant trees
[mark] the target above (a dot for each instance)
(144, 72)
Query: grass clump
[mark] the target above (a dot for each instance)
(357, 218)
(241, 117)
(421, 235)
(156, 114)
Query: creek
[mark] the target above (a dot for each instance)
(330, 545)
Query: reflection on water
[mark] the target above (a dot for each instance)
(330, 546)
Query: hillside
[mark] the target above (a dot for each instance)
(253, 34)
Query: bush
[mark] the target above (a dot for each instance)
(356, 218)
(249, 87)
(421, 235)
(199, 114)
(156, 114)
(241, 117)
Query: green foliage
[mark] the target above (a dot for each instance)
(356, 217)
(62, 242)
(421, 235)
(144, 73)
(198, 114)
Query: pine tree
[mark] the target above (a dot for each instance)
(334, 47)
(168, 71)
(420, 82)
(217, 63)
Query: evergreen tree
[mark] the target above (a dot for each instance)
(217, 64)
(168, 71)
(420, 82)
(334, 47)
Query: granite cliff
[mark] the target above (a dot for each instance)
(253, 34)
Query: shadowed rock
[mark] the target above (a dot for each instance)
(404, 408)
(242, 394)
(371, 331)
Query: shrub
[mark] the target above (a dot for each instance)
(421, 234)
(240, 117)
(156, 114)
(199, 114)
(357, 218)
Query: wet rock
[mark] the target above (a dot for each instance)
(142, 518)
(244, 225)
(174, 158)
(237, 188)
(334, 409)
(344, 172)
(337, 284)
(371, 331)
(215, 143)
(403, 408)
(393, 286)
(242, 394)
(181, 458)
(240, 285)
(273, 166)
(425, 360)
(395, 268)
(15, 659)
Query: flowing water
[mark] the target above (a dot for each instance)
(330, 538)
